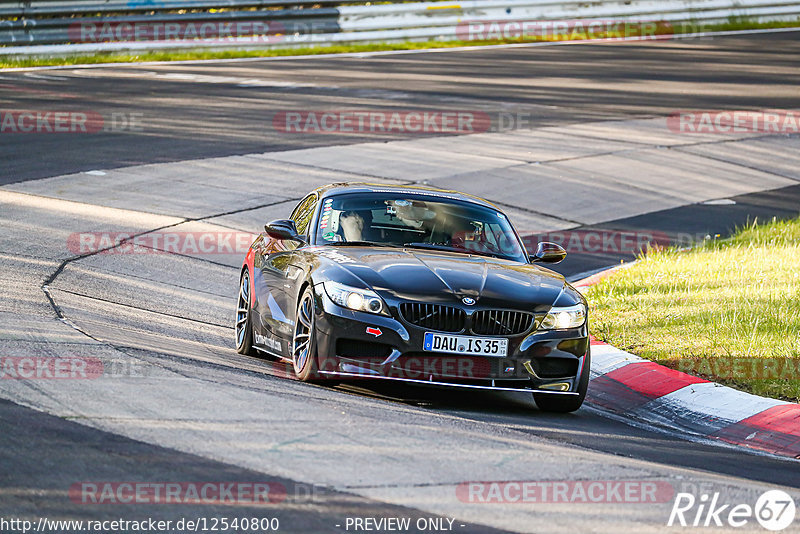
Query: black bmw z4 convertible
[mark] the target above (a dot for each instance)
(417, 285)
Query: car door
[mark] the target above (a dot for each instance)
(276, 306)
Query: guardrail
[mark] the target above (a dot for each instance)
(59, 27)
(16, 8)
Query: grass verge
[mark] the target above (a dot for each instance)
(728, 310)
(733, 24)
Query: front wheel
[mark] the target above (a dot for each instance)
(244, 327)
(549, 402)
(304, 341)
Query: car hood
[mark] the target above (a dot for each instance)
(438, 276)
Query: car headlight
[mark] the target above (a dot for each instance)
(564, 317)
(354, 298)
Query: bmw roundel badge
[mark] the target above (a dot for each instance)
(468, 301)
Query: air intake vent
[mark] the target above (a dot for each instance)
(423, 365)
(501, 322)
(433, 316)
(356, 349)
(555, 367)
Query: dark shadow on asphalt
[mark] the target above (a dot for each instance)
(588, 428)
(43, 457)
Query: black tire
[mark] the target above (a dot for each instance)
(549, 402)
(304, 340)
(244, 326)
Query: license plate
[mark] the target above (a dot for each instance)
(484, 346)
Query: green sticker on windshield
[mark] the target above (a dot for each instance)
(329, 236)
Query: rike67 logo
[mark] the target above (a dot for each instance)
(774, 510)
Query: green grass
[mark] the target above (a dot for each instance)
(727, 310)
(734, 23)
(187, 55)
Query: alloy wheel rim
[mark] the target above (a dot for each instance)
(242, 310)
(304, 325)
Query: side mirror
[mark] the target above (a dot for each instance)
(283, 229)
(548, 252)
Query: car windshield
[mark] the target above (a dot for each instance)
(417, 221)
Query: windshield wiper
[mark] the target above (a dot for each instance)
(446, 248)
(433, 246)
(361, 244)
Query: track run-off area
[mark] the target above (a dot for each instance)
(578, 143)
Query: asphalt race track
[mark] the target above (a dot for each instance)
(209, 110)
(176, 403)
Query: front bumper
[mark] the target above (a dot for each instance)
(355, 345)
